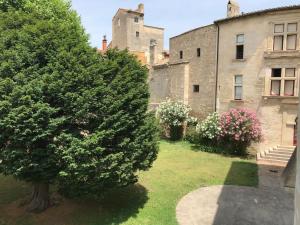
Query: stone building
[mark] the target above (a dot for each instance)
(249, 60)
(189, 75)
(258, 68)
(130, 32)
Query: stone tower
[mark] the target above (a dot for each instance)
(130, 32)
(233, 8)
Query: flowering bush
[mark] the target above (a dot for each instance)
(192, 121)
(232, 132)
(209, 128)
(173, 115)
(239, 127)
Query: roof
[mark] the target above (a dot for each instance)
(260, 12)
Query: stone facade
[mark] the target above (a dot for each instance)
(129, 32)
(192, 63)
(276, 111)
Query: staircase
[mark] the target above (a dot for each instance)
(279, 155)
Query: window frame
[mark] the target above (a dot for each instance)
(240, 47)
(285, 34)
(236, 85)
(283, 79)
(136, 19)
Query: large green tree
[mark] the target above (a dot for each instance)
(68, 115)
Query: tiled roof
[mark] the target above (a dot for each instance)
(260, 12)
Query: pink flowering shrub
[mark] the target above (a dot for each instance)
(238, 128)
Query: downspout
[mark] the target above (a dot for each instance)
(217, 66)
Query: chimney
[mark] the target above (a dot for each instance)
(104, 43)
(233, 8)
(141, 8)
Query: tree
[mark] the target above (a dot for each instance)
(68, 115)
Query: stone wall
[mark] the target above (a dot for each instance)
(168, 81)
(176, 79)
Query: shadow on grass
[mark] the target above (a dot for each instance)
(116, 207)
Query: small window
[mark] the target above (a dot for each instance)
(240, 52)
(137, 34)
(198, 52)
(279, 28)
(278, 43)
(292, 27)
(136, 19)
(181, 54)
(291, 42)
(276, 72)
(240, 39)
(238, 87)
(196, 88)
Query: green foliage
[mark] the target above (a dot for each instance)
(67, 114)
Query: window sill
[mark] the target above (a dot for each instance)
(287, 100)
(281, 54)
(239, 60)
(237, 101)
(279, 97)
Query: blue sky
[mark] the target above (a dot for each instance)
(176, 16)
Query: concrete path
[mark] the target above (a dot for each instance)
(235, 205)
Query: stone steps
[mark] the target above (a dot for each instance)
(279, 155)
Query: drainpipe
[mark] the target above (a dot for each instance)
(217, 67)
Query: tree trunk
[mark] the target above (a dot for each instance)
(40, 199)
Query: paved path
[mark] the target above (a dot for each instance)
(235, 205)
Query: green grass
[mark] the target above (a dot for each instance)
(178, 170)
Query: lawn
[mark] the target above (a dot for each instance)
(178, 170)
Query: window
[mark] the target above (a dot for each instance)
(198, 52)
(119, 22)
(285, 36)
(283, 82)
(291, 42)
(292, 27)
(196, 88)
(278, 42)
(238, 87)
(240, 46)
(181, 54)
(137, 34)
(136, 19)
(279, 28)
